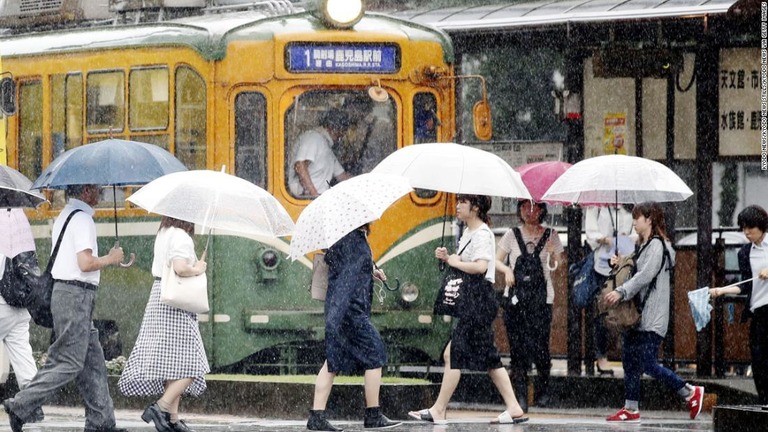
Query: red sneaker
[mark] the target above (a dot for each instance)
(625, 416)
(696, 401)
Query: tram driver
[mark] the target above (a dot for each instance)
(314, 163)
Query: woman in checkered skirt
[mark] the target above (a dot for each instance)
(168, 358)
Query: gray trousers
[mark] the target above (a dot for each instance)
(75, 355)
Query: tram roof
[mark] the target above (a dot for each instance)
(553, 12)
(207, 34)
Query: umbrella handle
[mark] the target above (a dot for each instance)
(130, 262)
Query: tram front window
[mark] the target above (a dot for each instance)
(334, 135)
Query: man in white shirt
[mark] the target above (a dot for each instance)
(76, 354)
(314, 163)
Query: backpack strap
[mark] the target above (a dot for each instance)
(539, 246)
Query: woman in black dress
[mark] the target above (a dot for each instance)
(471, 346)
(352, 344)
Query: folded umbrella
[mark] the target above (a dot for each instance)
(698, 300)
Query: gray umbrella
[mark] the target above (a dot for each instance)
(112, 162)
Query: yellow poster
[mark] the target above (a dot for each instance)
(614, 132)
(3, 148)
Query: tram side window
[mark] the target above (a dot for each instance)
(105, 101)
(251, 138)
(67, 123)
(425, 120)
(191, 118)
(148, 103)
(370, 135)
(30, 120)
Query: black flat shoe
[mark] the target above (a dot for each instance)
(162, 420)
(180, 426)
(603, 372)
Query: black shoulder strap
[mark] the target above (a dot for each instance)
(542, 242)
(58, 241)
(465, 246)
(520, 242)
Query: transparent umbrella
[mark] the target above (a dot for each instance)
(215, 200)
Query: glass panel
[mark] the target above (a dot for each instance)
(425, 123)
(158, 140)
(31, 129)
(148, 107)
(74, 114)
(251, 138)
(425, 120)
(106, 101)
(190, 118)
(335, 134)
(58, 115)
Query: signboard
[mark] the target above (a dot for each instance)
(306, 57)
(739, 116)
(614, 131)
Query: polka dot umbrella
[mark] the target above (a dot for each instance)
(343, 208)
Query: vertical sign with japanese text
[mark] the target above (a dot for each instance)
(739, 115)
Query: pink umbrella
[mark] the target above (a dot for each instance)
(15, 233)
(539, 176)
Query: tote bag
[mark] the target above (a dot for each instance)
(189, 293)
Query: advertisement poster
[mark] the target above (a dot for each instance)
(614, 131)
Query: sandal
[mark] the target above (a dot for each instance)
(505, 418)
(425, 415)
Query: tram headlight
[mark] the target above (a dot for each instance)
(338, 13)
(268, 260)
(409, 292)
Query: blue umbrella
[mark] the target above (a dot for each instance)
(112, 162)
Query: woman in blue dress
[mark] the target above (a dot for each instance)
(352, 344)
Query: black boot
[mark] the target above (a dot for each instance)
(318, 422)
(374, 419)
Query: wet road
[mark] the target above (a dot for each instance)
(60, 419)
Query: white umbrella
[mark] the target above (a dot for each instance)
(614, 179)
(454, 168)
(217, 200)
(343, 208)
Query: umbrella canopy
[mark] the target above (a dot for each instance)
(214, 199)
(539, 176)
(111, 162)
(15, 190)
(454, 168)
(614, 179)
(343, 208)
(15, 232)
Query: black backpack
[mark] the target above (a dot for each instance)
(530, 283)
(15, 284)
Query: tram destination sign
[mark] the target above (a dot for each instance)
(305, 57)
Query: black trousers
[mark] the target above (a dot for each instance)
(758, 344)
(528, 333)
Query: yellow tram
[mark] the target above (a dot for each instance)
(232, 88)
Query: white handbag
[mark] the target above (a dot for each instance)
(319, 286)
(184, 292)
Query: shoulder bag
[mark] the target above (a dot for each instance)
(626, 315)
(449, 295)
(189, 293)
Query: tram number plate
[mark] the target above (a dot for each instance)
(341, 58)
